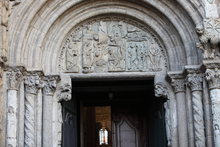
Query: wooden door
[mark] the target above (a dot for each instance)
(129, 126)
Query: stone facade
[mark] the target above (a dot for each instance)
(44, 44)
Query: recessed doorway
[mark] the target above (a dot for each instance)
(113, 114)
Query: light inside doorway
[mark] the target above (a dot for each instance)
(102, 122)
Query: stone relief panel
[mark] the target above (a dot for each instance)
(111, 44)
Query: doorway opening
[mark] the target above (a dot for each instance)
(113, 114)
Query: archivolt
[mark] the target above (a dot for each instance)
(38, 28)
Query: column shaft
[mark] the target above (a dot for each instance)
(47, 120)
(182, 119)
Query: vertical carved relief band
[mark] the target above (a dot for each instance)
(32, 85)
(213, 78)
(195, 83)
(14, 76)
(178, 83)
(112, 44)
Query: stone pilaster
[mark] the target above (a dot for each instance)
(194, 81)
(14, 77)
(50, 83)
(32, 84)
(178, 84)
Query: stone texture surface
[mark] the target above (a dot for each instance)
(110, 39)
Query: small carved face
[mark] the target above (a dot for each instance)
(199, 30)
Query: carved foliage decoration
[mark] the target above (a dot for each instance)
(111, 44)
(195, 81)
(50, 83)
(15, 77)
(213, 77)
(33, 83)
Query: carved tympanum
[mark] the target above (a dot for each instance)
(111, 44)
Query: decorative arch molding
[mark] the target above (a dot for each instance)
(36, 43)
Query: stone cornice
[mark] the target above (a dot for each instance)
(50, 83)
(177, 80)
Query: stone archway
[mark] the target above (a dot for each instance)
(47, 38)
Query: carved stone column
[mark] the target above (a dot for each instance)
(195, 79)
(48, 93)
(213, 78)
(32, 85)
(14, 76)
(178, 83)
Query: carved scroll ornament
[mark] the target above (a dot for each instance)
(111, 44)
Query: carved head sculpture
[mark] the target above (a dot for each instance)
(65, 92)
(160, 90)
(199, 29)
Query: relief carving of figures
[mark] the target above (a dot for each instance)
(154, 56)
(136, 56)
(87, 57)
(116, 47)
(111, 45)
(101, 49)
(72, 56)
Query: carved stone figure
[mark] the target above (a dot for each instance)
(72, 56)
(155, 56)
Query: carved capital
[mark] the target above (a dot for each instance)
(177, 81)
(195, 77)
(213, 77)
(65, 92)
(195, 81)
(15, 77)
(160, 90)
(50, 83)
(33, 83)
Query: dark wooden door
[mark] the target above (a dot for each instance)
(129, 126)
